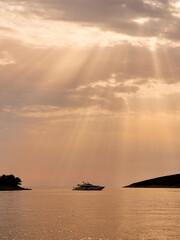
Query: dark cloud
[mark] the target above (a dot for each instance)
(40, 77)
(37, 78)
(113, 15)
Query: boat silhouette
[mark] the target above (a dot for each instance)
(86, 186)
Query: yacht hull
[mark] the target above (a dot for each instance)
(98, 188)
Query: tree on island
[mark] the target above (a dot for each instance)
(10, 180)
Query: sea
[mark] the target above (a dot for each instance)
(111, 214)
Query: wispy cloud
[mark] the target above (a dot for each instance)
(6, 59)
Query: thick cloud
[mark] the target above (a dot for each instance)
(113, 15)
(104, 77)
(70, 77)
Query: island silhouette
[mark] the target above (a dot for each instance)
(10, 183)
(170, 181)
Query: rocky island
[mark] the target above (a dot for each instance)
(10, 183)
(170, 181)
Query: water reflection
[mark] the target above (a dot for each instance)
(112, 214)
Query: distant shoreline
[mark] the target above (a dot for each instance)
(152, 186)
(171, 181)
(17, 188)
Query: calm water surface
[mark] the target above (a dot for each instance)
(111, 214)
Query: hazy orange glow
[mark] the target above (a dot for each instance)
(89, 95)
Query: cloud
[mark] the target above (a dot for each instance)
(90, 23)
(110, 15)
(106, 77)
(87, 54)
(6, 59)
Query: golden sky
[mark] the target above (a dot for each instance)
(89, 89)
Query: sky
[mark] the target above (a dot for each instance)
(89, 90)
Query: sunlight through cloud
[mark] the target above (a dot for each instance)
(141, 20)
